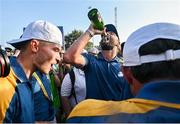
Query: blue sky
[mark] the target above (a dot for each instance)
(72, 14)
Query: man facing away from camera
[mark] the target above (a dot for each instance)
(104, 80)
(40, 46)
(152, 67)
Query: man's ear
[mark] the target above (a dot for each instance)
(34, 45)
(134, 83)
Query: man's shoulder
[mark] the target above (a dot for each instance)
(89, 56)
(7, 91)
(102, 107)
(8, 83)
(90, 110)
(9, 80)
(6, 87)
(95, 107)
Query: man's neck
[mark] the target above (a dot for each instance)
(25, 64)
(109, 54)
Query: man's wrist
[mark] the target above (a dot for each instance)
(91, 33)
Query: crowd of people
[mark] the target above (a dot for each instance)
(134, 81)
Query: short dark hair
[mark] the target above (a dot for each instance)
(21, 45)
(157, 70)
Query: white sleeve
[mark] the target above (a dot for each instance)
(66, 86)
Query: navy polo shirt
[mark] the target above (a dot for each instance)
(104, 80)
(43, 107)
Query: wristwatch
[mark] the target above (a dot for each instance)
(91, 33)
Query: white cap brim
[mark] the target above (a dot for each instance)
(40, 30)
(145, 35)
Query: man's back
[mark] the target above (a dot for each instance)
(79, 86)
(146, 107)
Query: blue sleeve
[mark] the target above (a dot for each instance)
(88, 58)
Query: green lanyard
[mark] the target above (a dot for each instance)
(55, 93)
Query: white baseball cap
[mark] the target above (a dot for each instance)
(145, 35)
(40, 30)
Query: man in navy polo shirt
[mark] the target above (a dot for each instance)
(104, 80)
(152, 67)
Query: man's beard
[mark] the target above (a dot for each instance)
(106, 46)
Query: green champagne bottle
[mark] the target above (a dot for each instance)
(96, 19)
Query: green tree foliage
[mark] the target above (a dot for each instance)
(71, 37)
(89, 46)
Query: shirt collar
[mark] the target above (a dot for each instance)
(18, 70)
(165, 91)
(100, 56)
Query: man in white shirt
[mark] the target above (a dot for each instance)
(70, 99)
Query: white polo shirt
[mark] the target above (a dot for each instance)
(79, 86)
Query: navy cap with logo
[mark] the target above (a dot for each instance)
(111, 28)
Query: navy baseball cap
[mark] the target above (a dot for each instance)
(111, 28)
